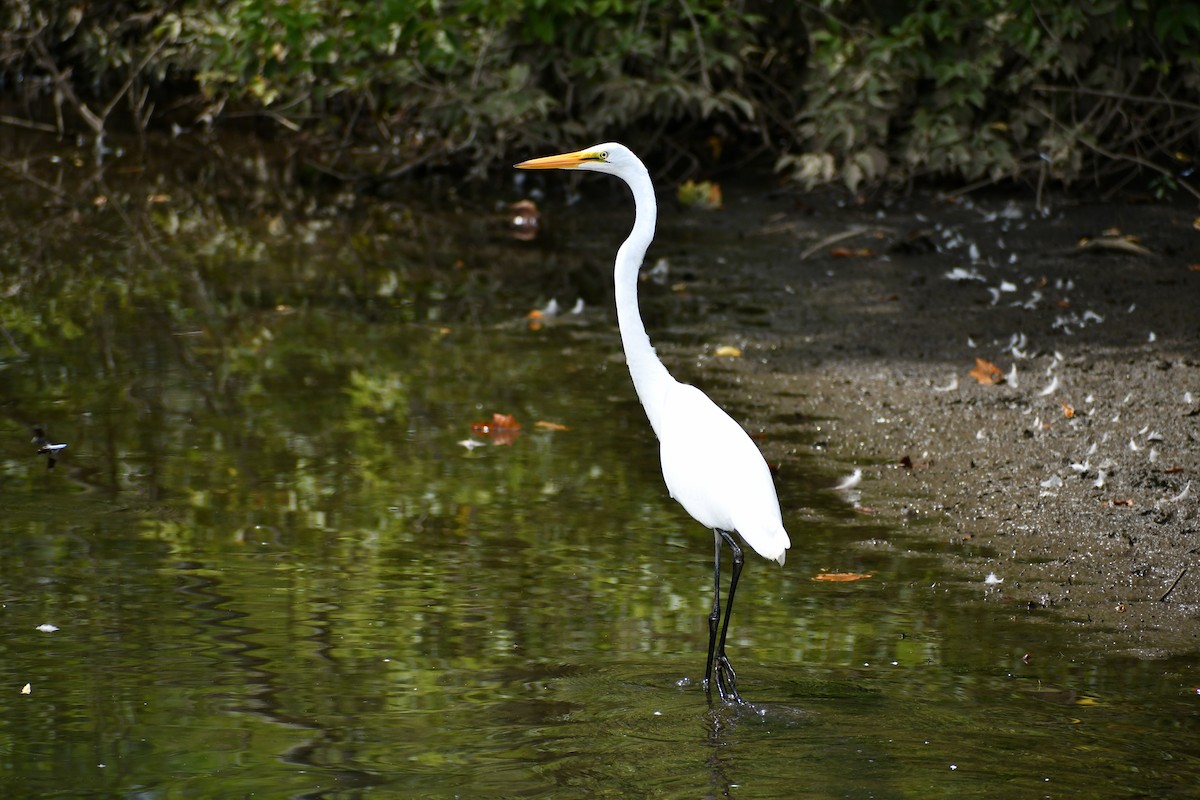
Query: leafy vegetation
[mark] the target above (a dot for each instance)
(985, 91)
(837, 91)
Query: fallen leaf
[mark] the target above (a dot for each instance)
(986, 373)
(1174, 470)
(503, 429)
(704, 195)
(499, 422)
(27, 688)
(842, 577)
(1113, 239)
(1194, 267)
(1068, 411)
(1126, 502)
(535, 319)
(727, 351)
(906, 462)
(523, 220)
(550, 426)
(852, 252)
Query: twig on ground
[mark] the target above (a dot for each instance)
(1167, 593)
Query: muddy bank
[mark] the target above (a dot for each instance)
(1073, 477)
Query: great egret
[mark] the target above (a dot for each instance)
(709, 463)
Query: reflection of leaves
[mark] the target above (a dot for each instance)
(378, 394)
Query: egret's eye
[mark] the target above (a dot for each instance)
(604, 155)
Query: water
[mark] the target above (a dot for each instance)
(274, 570)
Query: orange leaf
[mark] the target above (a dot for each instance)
(986, 372)
(852, 252)
(1068, 411)
(842, 577)
(503, 429)
(550, 426)
(505, 422)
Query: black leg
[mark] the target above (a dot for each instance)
(726, 678)
(714, 618)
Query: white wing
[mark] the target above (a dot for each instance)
(712, 467)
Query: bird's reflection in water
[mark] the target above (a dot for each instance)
(724, 724)
(46, 447)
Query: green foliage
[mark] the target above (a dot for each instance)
(840, 91)
(982, 91)
(421, 80)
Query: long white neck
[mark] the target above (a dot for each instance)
(650, 377)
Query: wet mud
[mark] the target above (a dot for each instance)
(1070, 474)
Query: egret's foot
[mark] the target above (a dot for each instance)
(727, 681)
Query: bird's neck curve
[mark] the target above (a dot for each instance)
(650, 377)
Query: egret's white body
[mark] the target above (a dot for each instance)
(710, 465)
(712, 468)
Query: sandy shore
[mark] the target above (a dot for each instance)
(1074, 477)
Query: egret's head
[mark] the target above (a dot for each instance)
(610, 157)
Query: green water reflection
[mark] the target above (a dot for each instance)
(275, 571)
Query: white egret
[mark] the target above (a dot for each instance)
(709, 463)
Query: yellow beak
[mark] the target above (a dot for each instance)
(561, 161)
